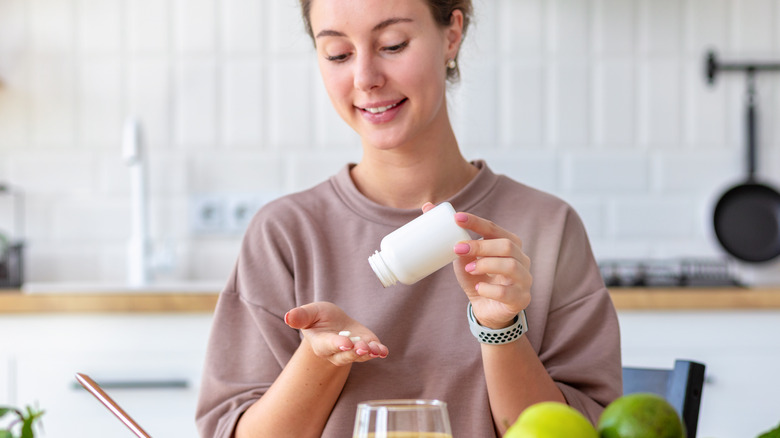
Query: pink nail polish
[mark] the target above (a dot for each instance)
(361, 351)
(461, 217)
(462, 248)
(471, 267)
(344, 348)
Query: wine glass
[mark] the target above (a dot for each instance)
(405, 418)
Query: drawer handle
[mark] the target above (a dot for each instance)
(140, 384)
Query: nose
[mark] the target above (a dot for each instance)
(368, 73)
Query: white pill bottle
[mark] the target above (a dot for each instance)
(419, 248)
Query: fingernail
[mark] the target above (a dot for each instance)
(286, 318)
(471, 266)
(461, 217)
(462, 248)
(361, 351)
(344, 348)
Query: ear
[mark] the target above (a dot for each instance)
(454, 33)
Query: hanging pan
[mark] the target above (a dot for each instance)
(747, 216)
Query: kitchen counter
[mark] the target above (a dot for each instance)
(625, 299)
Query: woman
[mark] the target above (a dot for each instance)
(276, 363)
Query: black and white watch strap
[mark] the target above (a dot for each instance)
(500, 336)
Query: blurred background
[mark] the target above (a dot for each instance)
(602, 102)
(164, 124)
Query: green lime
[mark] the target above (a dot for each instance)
(551, 420)
(640, 415)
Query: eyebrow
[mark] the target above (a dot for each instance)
(380, 26)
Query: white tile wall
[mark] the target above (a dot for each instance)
(602, 102)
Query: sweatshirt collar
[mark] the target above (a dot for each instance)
(469, 196)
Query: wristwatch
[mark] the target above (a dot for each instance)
(497, 336)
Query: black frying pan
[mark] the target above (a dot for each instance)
(747, 216)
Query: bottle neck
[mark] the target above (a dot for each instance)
(382, 271)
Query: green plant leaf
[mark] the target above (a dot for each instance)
(5, 434)
(774, 433)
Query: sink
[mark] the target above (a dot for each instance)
(109, 287)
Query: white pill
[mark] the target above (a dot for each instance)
(354, 338)
(345, 333)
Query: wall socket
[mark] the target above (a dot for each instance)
(228, 214)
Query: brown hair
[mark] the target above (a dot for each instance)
(440, 9)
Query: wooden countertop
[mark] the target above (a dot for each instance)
(625, 299)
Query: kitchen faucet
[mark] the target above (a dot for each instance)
(138, 274)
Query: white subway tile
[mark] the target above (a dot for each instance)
(303, 171)
(701, 171)
(239, 172)
(706, 116)
(287, 33)
(290, 102)
(242, 106)
(660, 101)
(754, 26)
(484, 39)
(150, 98)
(593, 212)
(211, 259)
(660, 24)
(100, 100)
(707, 25)
(520, 25)
(53, 100)
(615, 27)
(14, 37)
(242, 26)
(52, 26)
(614, 103)
(536, 168)
(476, 122)
(520, 103)
(668, 217)
(195, 26)
(15, 110)
(91, 220)
(48, 261)
(605, 172)
(196, 102)
(569, 27)
(149, 25)
(569, 103)
(98, 25)
(54, 172)
(330, 130)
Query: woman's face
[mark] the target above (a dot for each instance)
(383, 63)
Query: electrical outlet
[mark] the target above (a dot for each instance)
(207, 213)
(240, 208)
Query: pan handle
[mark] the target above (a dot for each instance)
(751, 123)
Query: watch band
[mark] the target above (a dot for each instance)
(497, 336)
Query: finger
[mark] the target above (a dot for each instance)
(302, 317)
(427, 207)
(501, 247)
(483, 227)
(511, 269)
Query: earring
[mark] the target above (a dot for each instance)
(451, 64)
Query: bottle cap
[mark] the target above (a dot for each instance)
(381, 270)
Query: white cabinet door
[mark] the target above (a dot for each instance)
(134, 351)
(740, 349)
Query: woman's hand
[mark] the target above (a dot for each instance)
(494, 272)
(321, 323)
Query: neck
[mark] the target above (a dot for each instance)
(409, 179)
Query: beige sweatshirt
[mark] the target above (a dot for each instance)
(313, 246)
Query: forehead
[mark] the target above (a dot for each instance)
(358, 15)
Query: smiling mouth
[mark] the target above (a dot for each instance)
(382, 109)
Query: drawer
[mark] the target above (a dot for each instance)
(158, 391)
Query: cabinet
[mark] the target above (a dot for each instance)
(151, 364)
(741, 350)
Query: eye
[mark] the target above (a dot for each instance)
(337, 58)
(396, 48)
